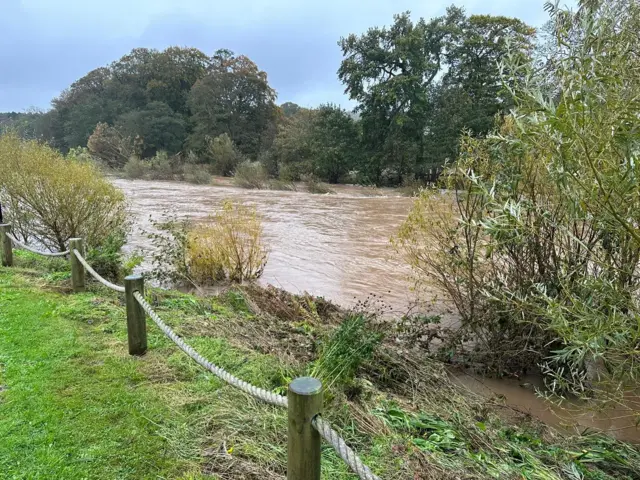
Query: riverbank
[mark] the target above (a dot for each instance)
(73, 404)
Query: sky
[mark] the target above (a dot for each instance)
(45, 45)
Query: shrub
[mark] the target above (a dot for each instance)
(51, 199)
(275, 184)
(228, 246)
(136, 168)
(168, 256)
(537, 243)
(160, 167)
(314, 186)
(198, 174)
(107, 259)
(223, 155)
(250, 175)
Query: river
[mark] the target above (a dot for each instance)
(337, 246)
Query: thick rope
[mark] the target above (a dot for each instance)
(33, 250)
(252, 390)
(96, 275)
(340, 446)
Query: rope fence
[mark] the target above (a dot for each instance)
(96, 275)
(259, 393)
(304, 399)
(33, 250)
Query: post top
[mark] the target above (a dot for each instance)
(134, 276)
(306, 386)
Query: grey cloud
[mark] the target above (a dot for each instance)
(40, 55)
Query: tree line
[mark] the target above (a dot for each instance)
(418, 85)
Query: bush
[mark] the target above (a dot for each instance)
(537, 244)
(51, 199)
(136, 168)
(228, 246)
(314, 186)
(161, 167)
(275, 184)
(223, 155)
(198, 174)
(250, 175)
(108, 260)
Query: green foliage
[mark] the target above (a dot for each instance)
(161, 167)
(393, 74)
(539, 246)
(352, 344)
(198, 174)
(169, 255)
(50, 199)
(250, 175)
(109, 261)
(233, 98)
(136, 168)
(157, 127)
(222, 154)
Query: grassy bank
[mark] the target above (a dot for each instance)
(74, 404)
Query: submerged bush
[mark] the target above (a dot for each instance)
(314, 186)
(228, 246)
(250, 175)
(198, 174)
(537, 243)
(51, 199)
(136, 168)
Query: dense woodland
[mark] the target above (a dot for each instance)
(418, 85)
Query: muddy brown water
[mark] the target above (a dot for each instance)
(337, 246)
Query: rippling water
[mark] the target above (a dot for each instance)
(336, 246)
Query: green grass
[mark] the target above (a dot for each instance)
(72, 405)
(75, 405)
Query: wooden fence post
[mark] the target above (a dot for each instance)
(7, 245)
(303, 445)
(136, 321)
(77, 269)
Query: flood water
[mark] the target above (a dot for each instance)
(337, 246)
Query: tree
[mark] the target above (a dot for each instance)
(389, 71)
(234, 98)
(293, 147)
(471, 92)
(110, 145)
(157, 126)
(130, 84)
(335, 143)
(410, 119)
(289, 109)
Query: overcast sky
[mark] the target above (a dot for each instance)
(47, 44)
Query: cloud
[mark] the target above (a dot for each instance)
(45, 45)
